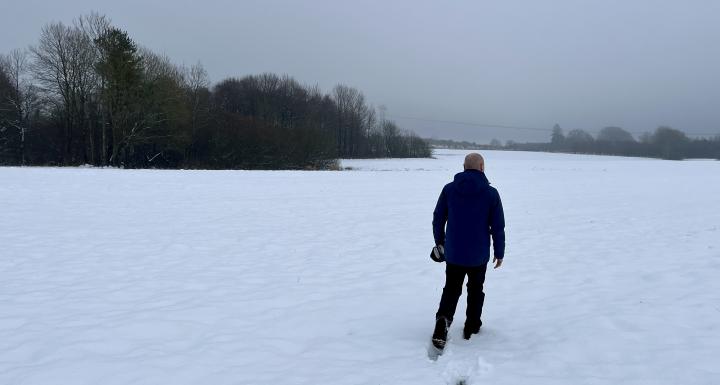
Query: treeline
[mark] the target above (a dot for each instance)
(86, 93)
(457, 145)
(664, 143)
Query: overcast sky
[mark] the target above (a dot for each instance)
(583, 64)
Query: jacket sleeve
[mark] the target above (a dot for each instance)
(497, 227)
(440, 218)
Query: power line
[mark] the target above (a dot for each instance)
(487, 125)
(470, 123)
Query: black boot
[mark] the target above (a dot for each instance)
(470, 329)
(439, 336)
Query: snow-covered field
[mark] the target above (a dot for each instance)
(612, 275)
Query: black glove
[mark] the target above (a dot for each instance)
(438, 253)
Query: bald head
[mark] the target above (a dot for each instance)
(474, 161)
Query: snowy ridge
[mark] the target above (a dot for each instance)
(250, 277)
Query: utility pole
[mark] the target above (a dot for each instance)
(383, 139)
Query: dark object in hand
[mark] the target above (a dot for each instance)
(438, 253)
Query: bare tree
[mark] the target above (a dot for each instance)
(354, 118)
(95, 25)
(197, 83)
(197, 77)
(63, 66)
(15, 66)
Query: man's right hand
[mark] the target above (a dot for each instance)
(497, 262)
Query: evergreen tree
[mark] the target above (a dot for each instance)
(120, 72)
(557, 138)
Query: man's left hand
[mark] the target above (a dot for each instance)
(497, 261)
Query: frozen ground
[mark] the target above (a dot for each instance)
(612, 275)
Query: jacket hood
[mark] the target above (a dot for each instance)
(471, 181)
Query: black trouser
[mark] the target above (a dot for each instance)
(454, 277)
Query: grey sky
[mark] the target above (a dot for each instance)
(583, 64)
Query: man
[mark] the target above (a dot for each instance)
(473, 213)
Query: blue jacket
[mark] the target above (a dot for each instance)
(473, 212)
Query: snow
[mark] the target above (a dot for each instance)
(289, 277)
